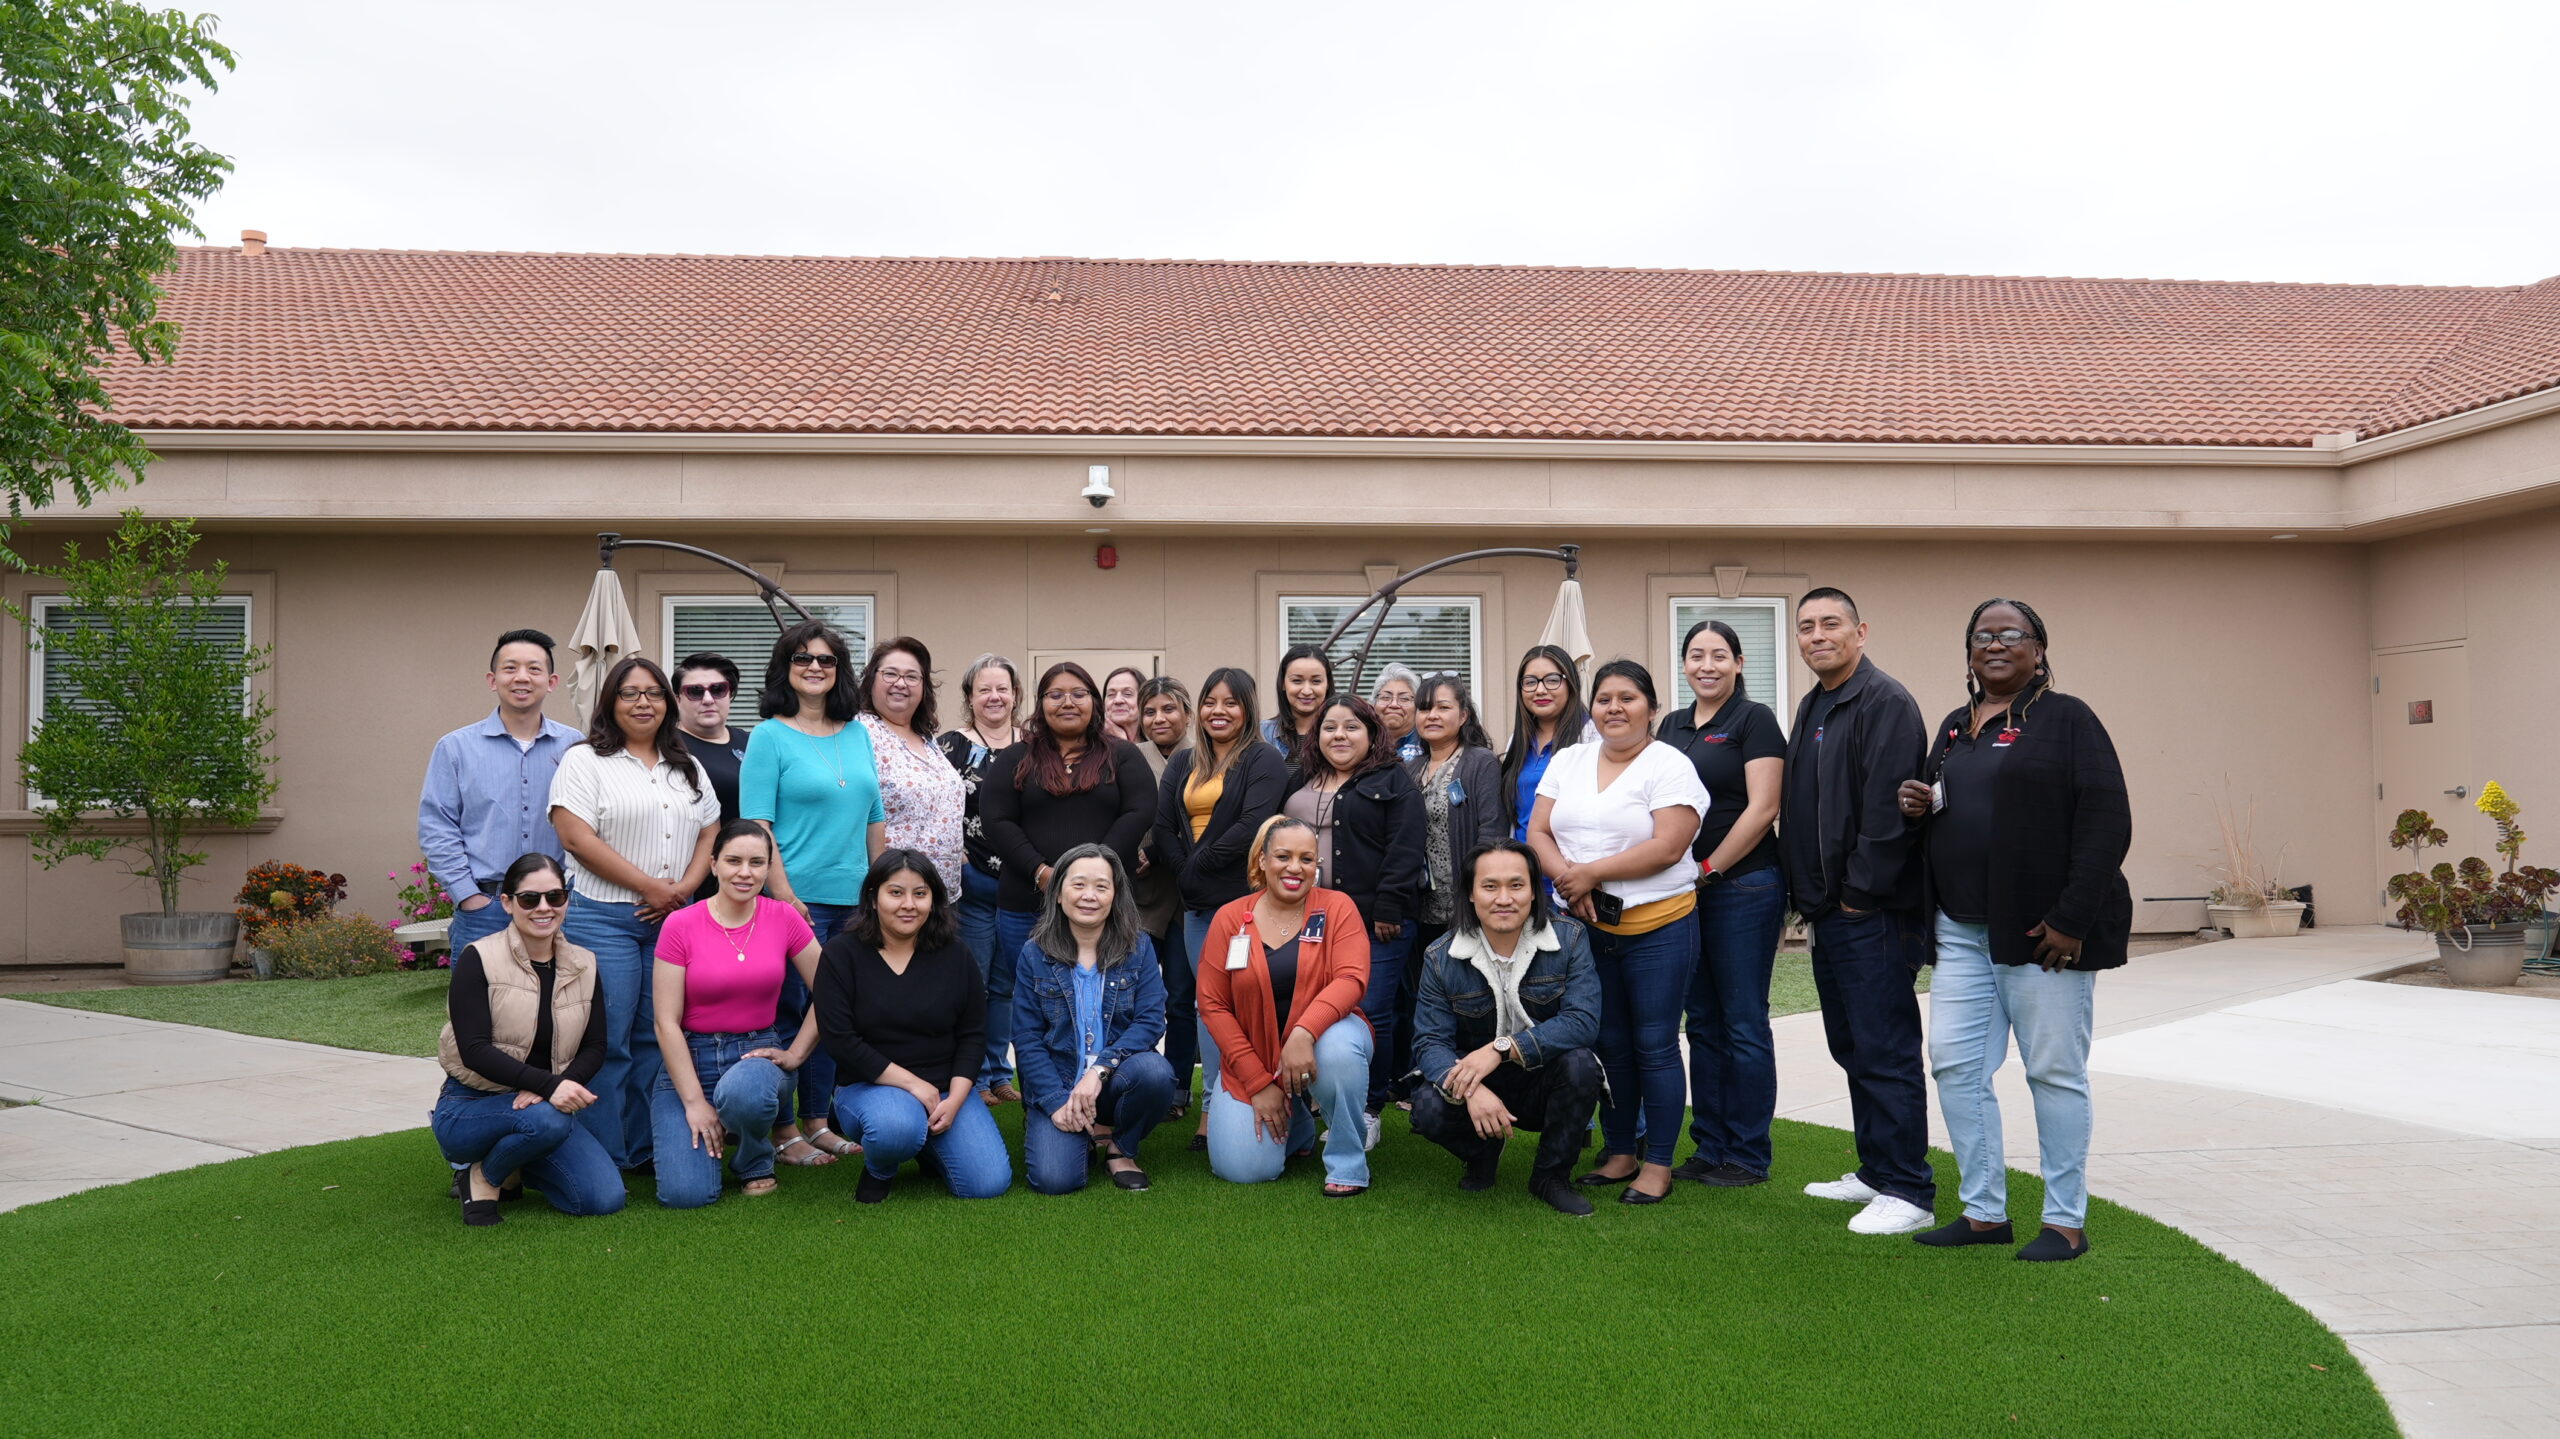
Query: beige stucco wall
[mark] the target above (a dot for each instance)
(2207, 659)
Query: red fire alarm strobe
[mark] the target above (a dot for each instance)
(1105, 557)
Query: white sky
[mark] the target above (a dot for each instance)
(2244, 139)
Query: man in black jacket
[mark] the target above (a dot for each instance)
(1852, 868)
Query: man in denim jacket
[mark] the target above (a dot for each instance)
(1502, 1029)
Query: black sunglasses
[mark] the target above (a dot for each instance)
(810, 661)
(719, 691)
(541, 898)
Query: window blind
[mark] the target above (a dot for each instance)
(224, 622)
(1429, 634)
(1756, 622)
(740, 627)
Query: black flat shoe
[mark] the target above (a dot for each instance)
(1961, 1232)
(1695, 1167)
(870, 1189)
(1595, 1178)
(1733, 1176)
(1132, 1179)
(2050, 1247)
(481, 1213)
(1633, 1195)
(1559, 1193)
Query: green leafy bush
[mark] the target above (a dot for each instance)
(334, 946)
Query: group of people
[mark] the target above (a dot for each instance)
(852, 934)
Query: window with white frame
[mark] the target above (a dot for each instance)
(740, 627)
(223, 621)
(1429, 633)
(1760, 622)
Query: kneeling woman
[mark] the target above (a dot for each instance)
(1088, 1009)
(719, 975)
(524, 1036)
(1282, 972)
(904, 1013)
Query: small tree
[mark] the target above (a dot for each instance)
(164, 728)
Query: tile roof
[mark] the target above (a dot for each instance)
(412, 340)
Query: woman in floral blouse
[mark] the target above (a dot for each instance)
(921, 790)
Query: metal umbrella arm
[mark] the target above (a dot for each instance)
(1383, 600)
(607, 542)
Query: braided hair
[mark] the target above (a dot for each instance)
(2037, 684)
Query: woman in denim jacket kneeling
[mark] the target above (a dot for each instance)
(1503, 1026)
(1088, 1008)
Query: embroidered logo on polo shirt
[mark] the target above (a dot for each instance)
(2007, 737)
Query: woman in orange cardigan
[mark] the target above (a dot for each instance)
(1289, 948)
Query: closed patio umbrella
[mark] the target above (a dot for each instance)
(1566, 629)
(605, 634)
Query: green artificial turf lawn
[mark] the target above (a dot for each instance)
(333, 1289)
(386, 1013)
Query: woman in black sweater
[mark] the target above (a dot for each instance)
(1367, 815)
(902, 1010)
(1216, 793)
(2024, 831)
(1067, 783)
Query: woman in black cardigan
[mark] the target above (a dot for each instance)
(2024, 831)
(1215, 794)
(1367, 815)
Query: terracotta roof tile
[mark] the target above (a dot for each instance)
(370, 339)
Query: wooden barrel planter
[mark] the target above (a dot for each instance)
(186, 948)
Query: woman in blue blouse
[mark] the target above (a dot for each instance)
(1551, 717)
(1088, 1009)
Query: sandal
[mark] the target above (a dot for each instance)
(839, 1147)
(1344, 1191)
(813, 1157)
(758, 1188)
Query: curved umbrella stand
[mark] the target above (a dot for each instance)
(775, 596)
(1383, 599)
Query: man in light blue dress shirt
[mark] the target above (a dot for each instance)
(487, 799)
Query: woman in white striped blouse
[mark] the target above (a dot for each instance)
(637, 815)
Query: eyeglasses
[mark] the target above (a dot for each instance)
(629, 693)
(718, 691)
(541, 898)
(1059, 697)
(1981, 639)
(900, 677)
(809, 661)
(1543, 682)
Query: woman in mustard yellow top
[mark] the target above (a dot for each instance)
(1612, 829)
(1215, 795)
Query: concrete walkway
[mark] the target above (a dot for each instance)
(2387, 1156)
(101, 1099)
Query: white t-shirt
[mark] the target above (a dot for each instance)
(1592, 823)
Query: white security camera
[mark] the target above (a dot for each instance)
(1097, 485)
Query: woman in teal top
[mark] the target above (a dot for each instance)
(810, 776)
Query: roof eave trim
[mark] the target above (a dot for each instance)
(1830, 452)
(2451, 427)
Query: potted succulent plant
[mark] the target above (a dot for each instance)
(2248, 901)
(2477, 915)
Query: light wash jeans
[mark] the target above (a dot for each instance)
(1341, 1091)
(1973, 1006)
(1195, 933)
(746, 1093)
(893, 1128)
(626, 950)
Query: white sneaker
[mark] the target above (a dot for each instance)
(1371, 1127)
(1848, 1187)
(1885, 1214)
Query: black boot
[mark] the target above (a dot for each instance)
(1483, 1169)
(1555, 1186)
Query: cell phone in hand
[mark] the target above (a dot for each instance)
(1607, 907)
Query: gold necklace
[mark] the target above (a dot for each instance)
(754, 918)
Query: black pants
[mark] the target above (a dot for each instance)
(1181, 1009)
(1862, 969)
(1555, 1100)
(1400, 1077)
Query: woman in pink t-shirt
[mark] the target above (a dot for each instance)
(719, 975)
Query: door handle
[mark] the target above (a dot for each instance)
(2460, 791)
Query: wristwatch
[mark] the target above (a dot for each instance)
(1503, 1046)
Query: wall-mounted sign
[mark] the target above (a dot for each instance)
(2422, 711)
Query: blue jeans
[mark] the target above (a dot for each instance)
(1133, 1103)
(470, 925)
(1013, 927)
(554, 1153)
(1973, 1006)
(747, 1093)
(1195, 933)
(975, 909)
(891, 1128)
(816, 1087)
(1181, 1006)
(1386, 983)
(1863, 969)
(1341, 1091)
(1733, 1068)
(626, 950)
(1644, 982)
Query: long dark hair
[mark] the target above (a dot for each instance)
(1042, 760)
(923, 723)
(1284, 719)
(1462, 915)
(940, 925)
(1470, 729)
(1382, 755)
(1732, 641)
(1206, 763)
(2037, 684)
(844, 701)
(1056, 937)
(604, 732)
(1569, 720)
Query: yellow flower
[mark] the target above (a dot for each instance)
(2494, 803)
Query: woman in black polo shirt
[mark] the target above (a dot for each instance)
(1740, 755)
(2024, 832)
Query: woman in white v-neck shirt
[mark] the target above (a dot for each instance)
(1612, 825)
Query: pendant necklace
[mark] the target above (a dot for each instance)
(733, 935)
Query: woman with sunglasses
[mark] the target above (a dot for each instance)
(810, 776)
(637, 816)
(522, 1038)
(922, 793)
(717, 986)
(1550, 717)
(1067, 783)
